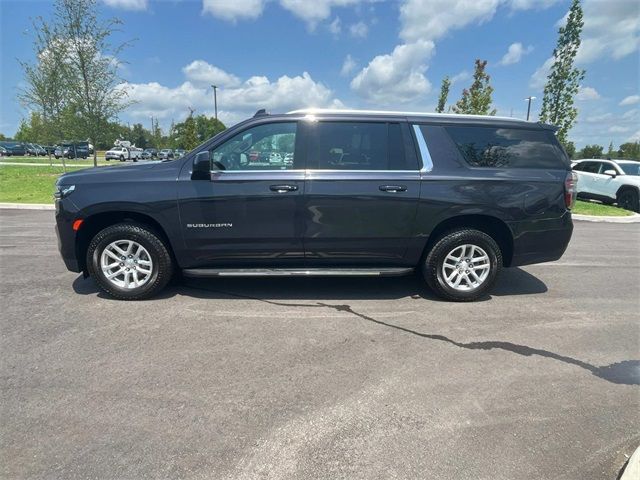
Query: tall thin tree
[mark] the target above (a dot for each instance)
(477, 99)
(564, 77)
(444, 94)
(95, 88)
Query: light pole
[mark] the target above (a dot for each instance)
(215, 100)
(529, 107)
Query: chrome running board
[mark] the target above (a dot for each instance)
(295, 272)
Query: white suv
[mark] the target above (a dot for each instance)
(610, 181)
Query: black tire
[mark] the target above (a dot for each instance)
(628, 199)
(161, 270)
(432, 267)
(121, 158)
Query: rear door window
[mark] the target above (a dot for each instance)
(588, 167)
(360, 146)
(497, 147)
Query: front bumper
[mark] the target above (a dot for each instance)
(65, 216)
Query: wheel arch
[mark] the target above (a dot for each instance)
(627, 187)
(492, 226)
(96, 222)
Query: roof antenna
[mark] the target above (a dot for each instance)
(261, 113)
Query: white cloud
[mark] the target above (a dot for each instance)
(539, 77)
(127, 4)
(460, 77)
(335, 27)
(348, 66)
(359, 30)
(618, 129)
(515, 53)
(432, 19)
(200, 71)
(397, 77)
(630, 100)
(313, 11)
(611, 29)
(237, 101)
(635, 137)
(234, 10)
(587, 93)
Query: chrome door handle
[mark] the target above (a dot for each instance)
(283, 188)
(393, 188)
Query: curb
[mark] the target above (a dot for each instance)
(632, 470)
(635, 218)
(28, 206)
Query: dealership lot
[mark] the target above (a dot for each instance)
(320, 378)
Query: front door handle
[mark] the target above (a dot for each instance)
(283, 188)
(393, 188)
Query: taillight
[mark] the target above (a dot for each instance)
(570, 189)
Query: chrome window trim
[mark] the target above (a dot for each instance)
(311, 170)
(427, 162)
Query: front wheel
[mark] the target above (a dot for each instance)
(462, 265)
(129, 261)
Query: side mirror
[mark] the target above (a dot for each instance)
(201, 167)
(611, 173)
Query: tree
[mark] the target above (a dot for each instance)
(444, 94)
(591, 151)
(610, 152)
(190, 135)
(45, 84)
(140, 136)
(477, 99)
(630, 150)
(564, 78)
(90, 65)
(570, 148)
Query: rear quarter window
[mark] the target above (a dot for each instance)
(492, 147)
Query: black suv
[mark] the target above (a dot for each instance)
(317, 192)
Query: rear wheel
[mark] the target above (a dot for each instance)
(462, 265)
(628, 199)
(129, 261)
(121, 158)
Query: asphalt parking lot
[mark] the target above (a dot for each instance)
(320, 378)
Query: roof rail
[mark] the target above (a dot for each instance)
(261, 113)
(312, 111)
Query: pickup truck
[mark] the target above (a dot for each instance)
(123, 154)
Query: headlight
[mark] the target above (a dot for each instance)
(63, 191)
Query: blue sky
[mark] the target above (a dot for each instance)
(287, 54)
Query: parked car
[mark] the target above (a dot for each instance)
(50, 149)
(375, 193)
(123, 154)
(153, 153)
(4, 152)
(35, 150)
(145, 155)
(15, 149)
(179, 152)
(72, 150)
(610, 181)
(166, 154)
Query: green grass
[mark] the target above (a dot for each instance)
(28, 184)
(45, 161)
(593, 208)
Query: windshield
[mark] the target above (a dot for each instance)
(630, 168)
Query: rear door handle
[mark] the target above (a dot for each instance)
(283, 188)
(393, 188)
